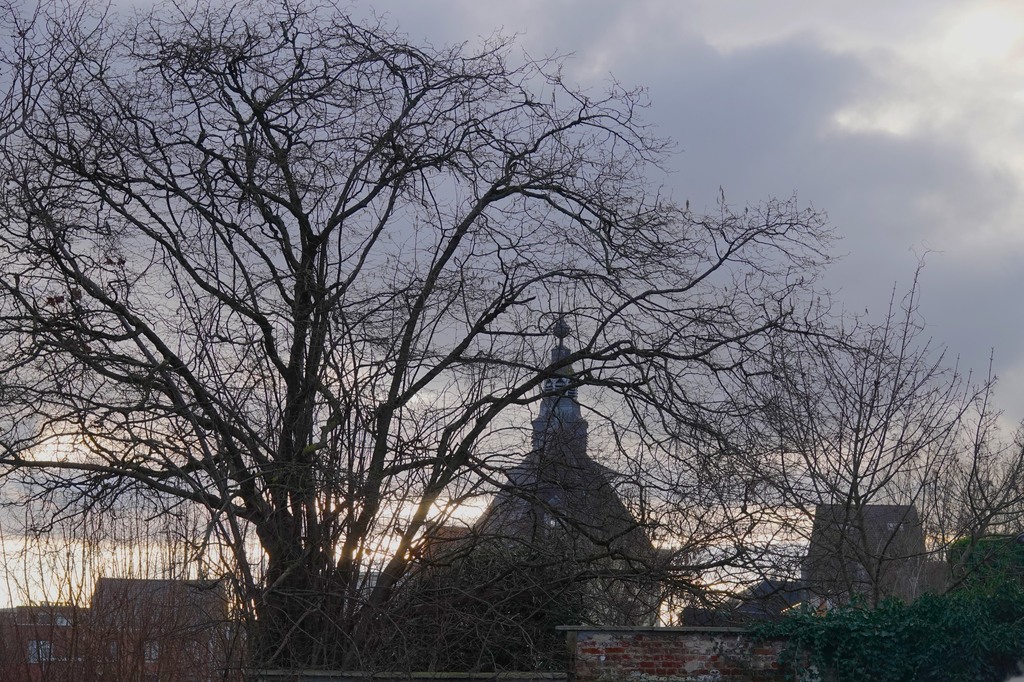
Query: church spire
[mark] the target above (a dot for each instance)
(559, 401)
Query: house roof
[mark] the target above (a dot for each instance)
(874, 549)
(190, 603)
(558, 494)
(869, 531)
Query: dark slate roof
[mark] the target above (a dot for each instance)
(854, 548)
(766, 600)
(571, 494)
(872, 530)
(560, 508)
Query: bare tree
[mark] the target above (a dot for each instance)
(296, 272)
(890, 450)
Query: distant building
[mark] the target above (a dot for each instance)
(161, 629)
(767, 600)
(134, 631)
(42, 642)
(873, 551)
(770, 600)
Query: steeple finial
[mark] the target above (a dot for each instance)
(560, 329)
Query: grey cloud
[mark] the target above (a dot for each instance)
(759, 122)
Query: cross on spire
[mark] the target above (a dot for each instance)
(560, 329)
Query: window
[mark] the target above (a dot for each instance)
(150, 651)
(40, 651)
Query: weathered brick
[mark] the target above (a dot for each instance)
(675, 654)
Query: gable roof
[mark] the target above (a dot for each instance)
(869, 531)
(175, 603)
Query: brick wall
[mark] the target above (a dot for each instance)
(356, 676)
(687, 654)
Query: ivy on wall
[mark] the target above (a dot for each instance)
(971, 635)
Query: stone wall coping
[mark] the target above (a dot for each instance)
(511, 676)
(696, 629)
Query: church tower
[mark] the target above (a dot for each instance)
(560, 503)
(555, 546)
(559, 430)
(558, 466)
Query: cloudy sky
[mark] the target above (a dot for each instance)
(903, 121)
